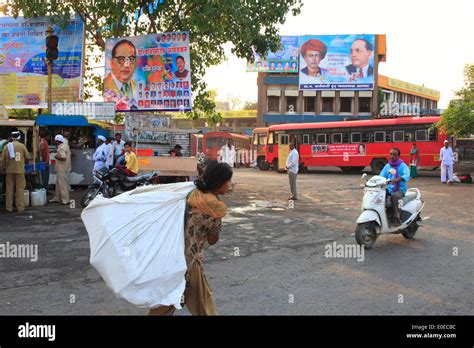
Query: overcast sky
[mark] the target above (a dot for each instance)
(428, 41)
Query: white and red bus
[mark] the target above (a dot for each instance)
(353, 145)
(259, 143)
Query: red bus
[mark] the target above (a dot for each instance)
(212, 142)
(353, 145)
(196, 144)
(259, 143)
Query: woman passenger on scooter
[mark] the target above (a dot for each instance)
(398, 185)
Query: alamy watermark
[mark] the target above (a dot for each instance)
(23, 251)
(344, 251)
(391, 108)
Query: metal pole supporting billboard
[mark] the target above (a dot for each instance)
(49, 31)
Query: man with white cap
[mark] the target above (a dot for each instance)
(101, 154)
(63, 167)
(447, 160)
(15, 155)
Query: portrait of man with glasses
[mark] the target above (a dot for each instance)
(123, 64)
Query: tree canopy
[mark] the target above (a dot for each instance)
(211, 23)
(458, 119)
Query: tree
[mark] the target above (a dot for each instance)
(251, 105)
(211, 23)
(458, 119)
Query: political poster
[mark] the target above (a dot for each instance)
(285, 60)
(148, 72)
(134, 121)
(336, 62)
(23, 69)
(325, 150)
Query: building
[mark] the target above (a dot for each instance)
(281, 101)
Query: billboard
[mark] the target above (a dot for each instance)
(285, 60)
(148, 72)
(335, 150)
(92, 110)
(336, 62)
(23, 69)
(137, 120)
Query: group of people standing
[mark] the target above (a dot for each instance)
(115, 153)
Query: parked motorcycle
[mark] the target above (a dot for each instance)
(373, 220)
(114, 182)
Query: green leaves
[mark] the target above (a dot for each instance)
(458, 119)
(211, 24)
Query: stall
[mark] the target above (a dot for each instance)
(83, 134)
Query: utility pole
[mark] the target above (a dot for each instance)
(49, 32)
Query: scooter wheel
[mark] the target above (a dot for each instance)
(366, 234)
(409, 232)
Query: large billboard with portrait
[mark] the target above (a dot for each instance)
(336, 62)
(285, 60)
(148, 72)
(23, 69)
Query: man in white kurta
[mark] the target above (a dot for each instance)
(447, 160)
(292, 166)
(101, 154)
(228, 154)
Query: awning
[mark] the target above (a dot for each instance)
(69, 121)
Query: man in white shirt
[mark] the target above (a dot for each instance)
(447, 161)
(100, 154)
(228, 153)
(118, 146)
(292, 166)
(109, 163)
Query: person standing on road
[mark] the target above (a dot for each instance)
(292, 166)
(119, 144)
(15, 156)
(228, 153)
(109, 163)
(63, 167)
(447, 160)
(398, 184)
(414, 159)
(203, 226)
(44, 157)
(100, 154)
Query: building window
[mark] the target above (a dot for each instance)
(291, 104)
(273, 104)
(379, 137)
(364, 104)
(346, 104)
(309, 104)
(336, 138)
(398, 136)
(328, 104)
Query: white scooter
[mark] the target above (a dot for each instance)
(373, 220)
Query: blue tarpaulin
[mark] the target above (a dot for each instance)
(70, 121)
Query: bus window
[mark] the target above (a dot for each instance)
(421, 135)
(270, 138)
(305, 138)
(345, 138)
(379, 137)
(432, 135)
(255, 139)
(356, 137)
(336, 138)
(262, 139)
(320, 138)
(408, 136)
(365, 137)
(398, 136)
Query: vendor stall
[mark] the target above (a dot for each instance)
(82, 135)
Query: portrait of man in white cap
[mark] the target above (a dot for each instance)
(101, 154)
(63, 167)
(15, 156)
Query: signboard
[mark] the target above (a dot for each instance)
(285, 60)
(413, 88)
(336, 62)
(148, 72)
(337, 150)
(135, 121)
(23, 70)
(93, 110)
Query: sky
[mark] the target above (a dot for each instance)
(428, 42)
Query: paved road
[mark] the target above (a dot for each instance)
(271, 258)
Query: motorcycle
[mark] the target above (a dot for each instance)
(114, 182)
(373, 220)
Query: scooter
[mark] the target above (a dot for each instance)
(373, 220)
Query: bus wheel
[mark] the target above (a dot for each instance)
(377, 165)
(352, 169)
(262, 164)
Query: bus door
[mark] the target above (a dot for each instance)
(283, 150)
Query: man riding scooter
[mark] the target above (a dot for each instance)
(398, 186)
